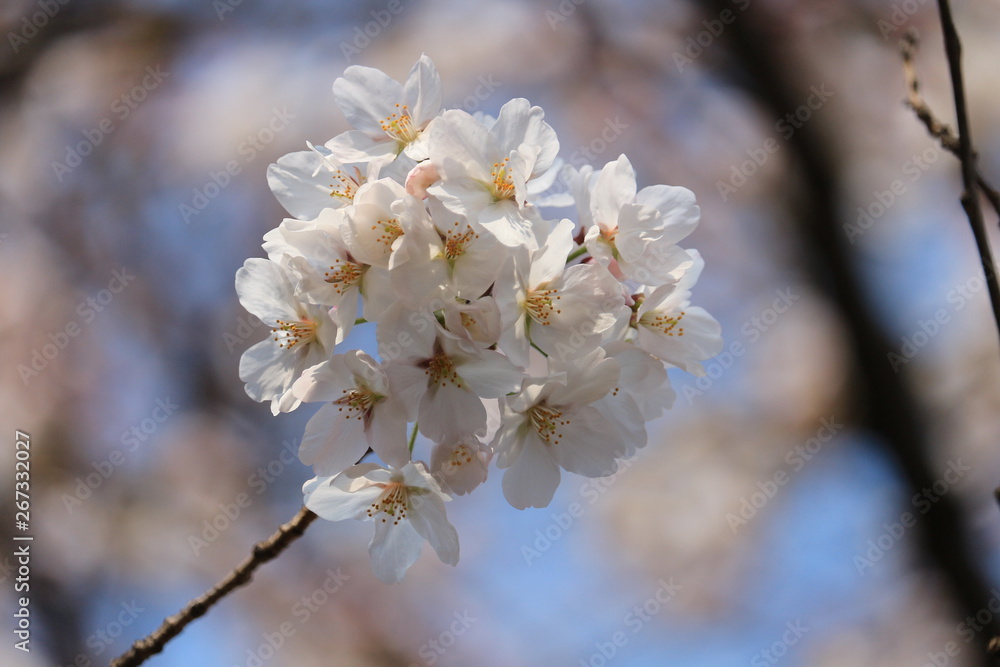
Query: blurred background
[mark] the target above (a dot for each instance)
(823, 497)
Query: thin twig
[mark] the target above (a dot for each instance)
(971, 178)
(173, 625)
(967, 157)
(937, 128)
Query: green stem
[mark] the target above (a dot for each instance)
(576, 253)
(539, 349)
(413, 436)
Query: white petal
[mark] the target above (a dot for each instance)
(687, 279)
(658, 264)
(514, 340)
(419, 272)
(588, 445)
(366, 371)
(546, 180)
(393, 549)
(423, 91)
(387, 433)
(430, 522)
(295, 182)
(662, 215)
(459, 146)
(622, 412)
(449, 411)
(550, 262)
(492, 375)
(377, 294)
(324, 382)
(334, 440)
(588, 378)
(533, 478)
(644, 378)
(408, 384)
(346, 496)
(478, 268)
(265, 291)
(508, 223)
(357, 146)
(520, 123)
(367, 96)
(701, 340)
(615, 187)
(266, 371)
(462, 196)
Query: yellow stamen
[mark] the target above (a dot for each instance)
(290, 334)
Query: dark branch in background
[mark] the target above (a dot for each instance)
(883, 401)
(937, 129)
(173, 625)
(967, 155)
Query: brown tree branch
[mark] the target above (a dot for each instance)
(935, 127)
(967, 156)
(172, 626)
(883, 401)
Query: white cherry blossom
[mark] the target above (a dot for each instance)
(309, 181)
(634, 232)
(488, 174)
(502, 335)
(475, 322)
(643, 377)
(374, 223)
(406, 504)
(444, 255)
(460, 464)
(302, 334)
(552, 424)
(323, 270)
(359, 413)
(671, 329)
(389, 118)
(560, 310)
(441, 382)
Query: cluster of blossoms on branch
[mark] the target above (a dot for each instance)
(502, 335)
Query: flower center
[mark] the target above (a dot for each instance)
(393, 503)
(391, 230)
(439, 369)
(399, 125)
(461, 455)
(503, 181)
(358, 402)
(289, 334)
(662, 323)
(540, 305)
(343, 275)
(344, 187)
(546, 422)
(454, 242)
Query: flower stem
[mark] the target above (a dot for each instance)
(576, 253)
(413, 436)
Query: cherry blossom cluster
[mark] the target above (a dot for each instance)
(505, 333)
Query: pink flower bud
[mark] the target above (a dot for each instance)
(420, 178)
